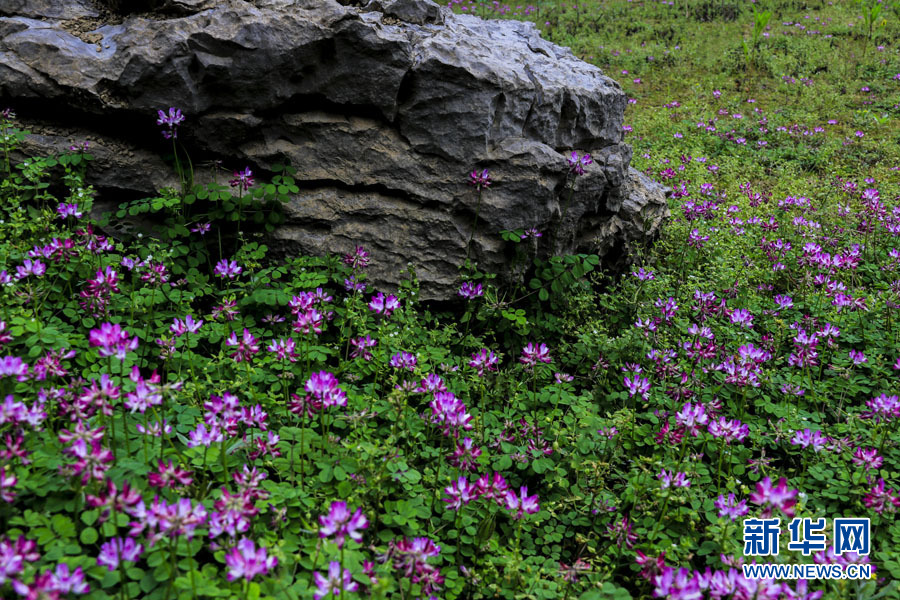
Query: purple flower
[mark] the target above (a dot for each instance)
(807, 438)
(352, 284)
(118, 549)
(201, 228)
(29, 267)
(323, 387)
(171, 120)
(483, 360)
(696, 240)
(243, 180)
(13, 366)
(677, 585)
(644, 275)
(784, 302)
(203, 437)
(561, 378)
(468, 291)
(246, 347)
(8, 482)
(728, 507)
(578, 163)
(460, 492)
(523, 503)
(381, 305)
(857, 357)
(361, 347)
(404, 360)
(494, 487)
(531, 233)
(882, 408)
(772, 497)
(742, 317)
(65, 210)
(245, 560)
(729, 430)
(464, 455)
(188, 325)
(608, 432)
(227, 269)
(637, 385)
(533, 354)
(335, 583)
(358, 259)
(880, 498)
(284, 349)
(692, 417)
(668, 479)
(66, 582)
(113, 340)
(867, 458)
(341, 524)
(449, 412)
(480, 180)
(621, 532)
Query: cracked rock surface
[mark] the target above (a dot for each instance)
(383, 106)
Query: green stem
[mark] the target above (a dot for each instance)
(224, 468)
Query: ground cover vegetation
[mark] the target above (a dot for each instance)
(182, 417)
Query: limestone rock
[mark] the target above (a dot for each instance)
(383, 106)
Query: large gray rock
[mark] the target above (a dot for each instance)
(384, 108)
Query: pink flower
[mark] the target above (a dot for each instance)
(171, 120)
(460, 492)
(729, 430)
(692, 417)
(245, 560)
(243, 180)
(881, 499)
(729, 507)
(381, 305)
(324, 388)
(358, 259)
(808, 438)
(533, 354)
(169, 475)
(480, 180)
(119, 549)
(464, 455)
(113, 340)
(188, 325)
(522, 504)
(578, 163)
(468, 291)
(772, 497)
(668, 479)
(482, 361)
(361, 347)
(8, 481)
(224, 268)
(284, 349)
(637, 386)
(867, 458)
(403, 360)
(341, 524)
(66, 582)
(246, 347)
(336, 581)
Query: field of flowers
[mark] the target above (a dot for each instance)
(181, 417)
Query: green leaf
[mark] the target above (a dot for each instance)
(89, 536)
(63, 526)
